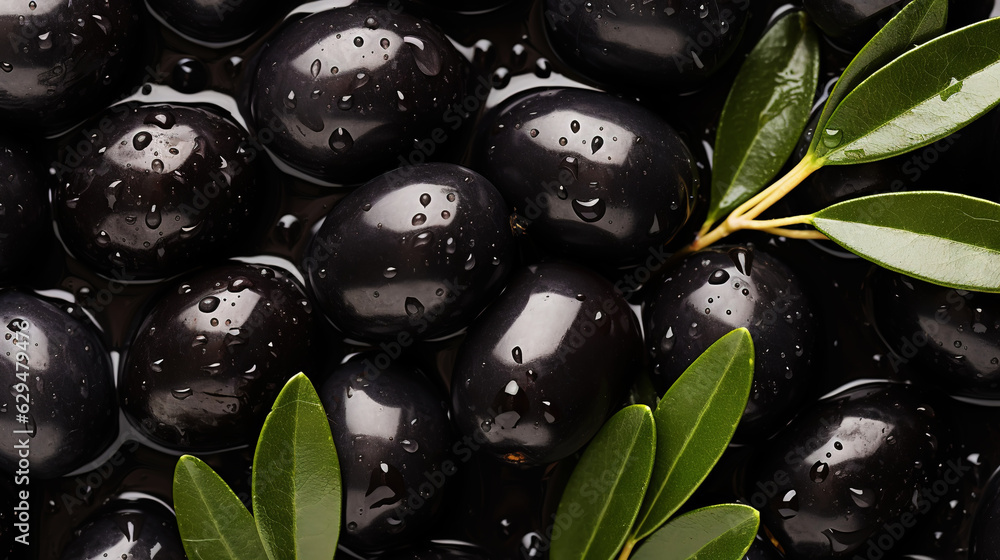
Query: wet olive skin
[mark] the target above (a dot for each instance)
(952, 336)
(137, 529)
(448, 551)
(216, 21)
(554, 152)
(23, 208)
(172, 190)
(69, 389)
(827, 485)
(670, 44)
(542, 368)
(852, 23)
(394, 443)
(61, 61)
(420, 250)
(349, 92)
(210, 357)
(984, 544)
(721, 289)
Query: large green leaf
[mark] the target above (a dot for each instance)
(917, 99)
(213, 523)
(603, 494)
(767, 109)
(694, 422)
(722, 532)
(918, 22)
(296, 478)
(948, 239)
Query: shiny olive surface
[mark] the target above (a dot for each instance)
(857, 467)
(209, 359)
(24, 210)
(541, 368)
(597, 177)
(59, 388)
(852, 23)
(216, 21)
(416, 252)
(672, 44)
(140, 529)
(442, 551)
(61, 61)
(716, 291)
(953, 336)
(985, 541)
(351, 92)
(394, 442)
(154, 190)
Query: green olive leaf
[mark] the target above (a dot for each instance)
(214, 524)
(918, 22)
(296, 478)
(695, 420)
(917, 99)
(603, 494)
(948, 239)
(723, 532)
(765, 113)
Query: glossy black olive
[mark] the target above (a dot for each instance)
(216, 21)
(715, 291)
(657, 43)
(59, 389)
(23, 208)
(352, 92)
(597, 177)
(154, 190)
(443, 551)
(209, 359)
(953, 336)
(417, 252)
(61, 61)
(984, 544)
(852, 23)
(543, 367)
(140, 529)
(394, 442)
(854, 472)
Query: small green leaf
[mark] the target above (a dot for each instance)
(948, 239)
(723, 532)
(917, 99)
(766, 112)
(213, 523)
(296, 478)
(694, 422)
(603, 494)
(918, 22)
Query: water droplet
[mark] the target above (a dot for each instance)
(832, 137)
(718, 277)
(425, 199)
(667, 344)
(384, 43)
(470, 262)
(209, 304)
(103, 239)
(574, 126)
(590, 210)
(516, 353)
(596, 144)
(413, 307)
(819, 471)
(161, 119)
(428, 59)
(409, 446)
(6, 67)
(954, 87)
(181, 394)
(563, 141)
(423, 238)
(153, 218)
(863, 497)
(533, 132)
(371, 22)
(141, 140)
(743, 259)
(702, 11)
(316, 68)
(341, 141)
(390, 272)
(359, 42)
(789, 506)
(418, 220)
(486, 425)
(156, 166)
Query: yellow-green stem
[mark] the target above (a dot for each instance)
(783, 186)
(768, 224)
(796, 233)
(627, 551)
